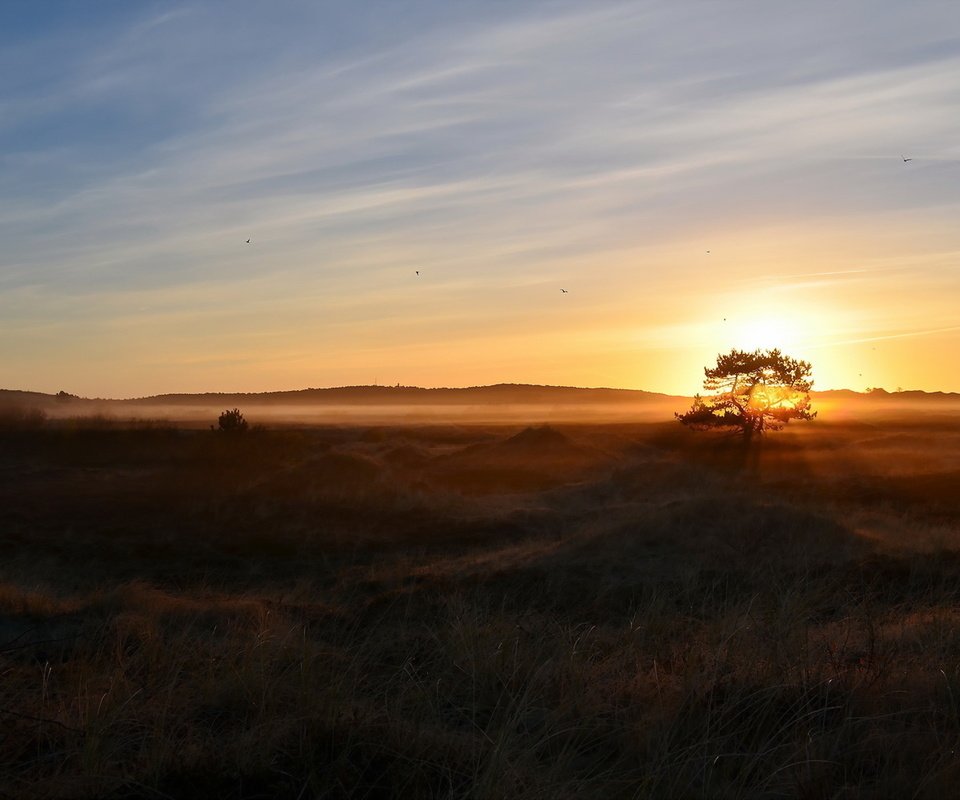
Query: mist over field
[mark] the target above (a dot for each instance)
(504, 403)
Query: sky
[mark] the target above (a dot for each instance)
(697, 175)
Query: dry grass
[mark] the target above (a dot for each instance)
(605, 611)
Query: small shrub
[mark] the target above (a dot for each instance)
(232, 421)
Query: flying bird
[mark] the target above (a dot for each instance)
(905, 159)
(247, 242)
(708, 252)
(564, 291)
(418, 272)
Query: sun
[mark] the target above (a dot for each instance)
(765, 332)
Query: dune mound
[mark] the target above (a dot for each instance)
(543, 437)
(333, 471)
(346, 469)
(533, 446)
(536, 458)
(406, 455)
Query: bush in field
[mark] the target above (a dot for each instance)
(232, 421)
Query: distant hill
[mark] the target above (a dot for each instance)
(16, 396)
(502, 393)
(415, 395)
(882, 395)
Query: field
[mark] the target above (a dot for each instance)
(602, 610)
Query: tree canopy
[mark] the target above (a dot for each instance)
(752, 392)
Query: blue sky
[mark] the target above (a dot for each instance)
(505, 150)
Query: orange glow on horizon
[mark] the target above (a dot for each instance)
(858, 329)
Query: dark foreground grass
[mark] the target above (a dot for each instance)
(345, 612)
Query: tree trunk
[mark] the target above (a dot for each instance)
(752, 426)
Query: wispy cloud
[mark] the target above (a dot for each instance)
(899, 335)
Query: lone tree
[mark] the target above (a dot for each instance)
(752, 393)
(232, 421)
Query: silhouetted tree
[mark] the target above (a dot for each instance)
(752, 392)
(232, 421)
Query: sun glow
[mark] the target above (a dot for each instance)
(776, 397)
(766, 332)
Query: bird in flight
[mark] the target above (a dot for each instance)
(708, 252)
(247, 242)
(564, 291)
(905, 159)
(418, 272)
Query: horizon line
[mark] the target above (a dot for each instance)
(53, 395)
